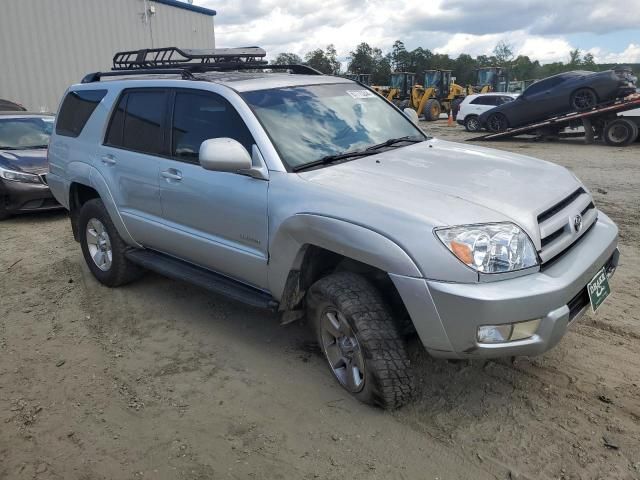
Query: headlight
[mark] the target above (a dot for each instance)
(490, 248)
(14, 176)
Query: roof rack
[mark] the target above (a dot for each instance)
(185, 62)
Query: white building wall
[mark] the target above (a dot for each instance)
(47, 45)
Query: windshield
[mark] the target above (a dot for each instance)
(312, 122)
(431, 79)
(397, 81)
(486, 77)
(25, 133)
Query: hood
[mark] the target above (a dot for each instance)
(28, 161)
(446, 183)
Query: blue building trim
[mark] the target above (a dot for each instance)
(187, 6)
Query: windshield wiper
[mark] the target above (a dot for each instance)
(333, 158)
(393, 141)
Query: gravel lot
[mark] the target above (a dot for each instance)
(161, 380)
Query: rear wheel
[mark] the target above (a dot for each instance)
(497, 122)
(472, 123)
(620, 132)
(361, 342)
(102, 247)
(583, 99)
(432, 110)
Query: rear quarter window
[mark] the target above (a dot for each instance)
(75, 111)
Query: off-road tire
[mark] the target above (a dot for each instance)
(583, 99)
(432, 110)
(472, 123)
(121, 271)
(620, 132)
(388, 379)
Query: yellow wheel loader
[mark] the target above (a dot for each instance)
(491, 79)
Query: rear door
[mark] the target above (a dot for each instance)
(217, 220)
(129, 160)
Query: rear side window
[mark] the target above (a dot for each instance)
(486, 100)
(199, 116)
(76, 109)
(137, 122)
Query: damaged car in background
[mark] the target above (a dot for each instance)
(559, 94)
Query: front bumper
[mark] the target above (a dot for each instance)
(21, 197)
(447, 315)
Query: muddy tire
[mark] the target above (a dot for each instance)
(620, 132)
(102, 247)
(360, 340)
(432, 110)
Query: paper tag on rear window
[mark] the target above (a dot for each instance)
(361, 93)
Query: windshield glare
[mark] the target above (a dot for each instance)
(25, 133)
(308, 123)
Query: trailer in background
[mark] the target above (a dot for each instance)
(612, 122)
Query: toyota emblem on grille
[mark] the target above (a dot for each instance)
(577, 223)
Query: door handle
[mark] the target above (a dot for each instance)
(172, 174)
(108, 159)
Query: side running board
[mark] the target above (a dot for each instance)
(179, 270)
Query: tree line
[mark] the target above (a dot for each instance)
(371, 60)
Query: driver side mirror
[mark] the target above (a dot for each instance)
(224, 155)
(411, 114)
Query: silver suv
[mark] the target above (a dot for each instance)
(314, 196)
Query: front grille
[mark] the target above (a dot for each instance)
(557, 224)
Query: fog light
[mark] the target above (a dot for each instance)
(507, 332)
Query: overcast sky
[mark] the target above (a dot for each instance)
(545, 30)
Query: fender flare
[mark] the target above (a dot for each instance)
(98, 183)
(350, 240)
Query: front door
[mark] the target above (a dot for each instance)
(216, 220)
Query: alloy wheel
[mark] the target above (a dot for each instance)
(342, 350)
(99, 244)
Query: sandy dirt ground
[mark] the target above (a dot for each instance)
(160, 380)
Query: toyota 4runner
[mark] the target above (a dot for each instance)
(314, 196)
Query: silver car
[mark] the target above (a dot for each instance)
(314, 196)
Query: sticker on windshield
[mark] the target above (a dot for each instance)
(361, 93)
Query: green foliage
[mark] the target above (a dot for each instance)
(371, 60)
(287, 59)
(325, 61)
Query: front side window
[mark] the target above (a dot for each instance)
(199, 116)
(75, 111)
(309, 123)
(25, 133)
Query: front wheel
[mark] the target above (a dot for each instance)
(432, 110)
(472, 123)
(102, 247)
(361, 342)
(497, 122)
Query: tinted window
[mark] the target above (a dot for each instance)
(142, 129)
(76, 109)
(116, 127)
(544, 85)
(486, 100)
(199, 116)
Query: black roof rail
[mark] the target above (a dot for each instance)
(173, 60)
